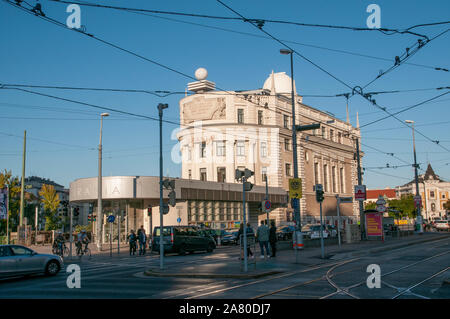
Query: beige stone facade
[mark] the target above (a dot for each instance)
(223, 131)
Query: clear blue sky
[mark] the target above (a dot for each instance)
(40, 53)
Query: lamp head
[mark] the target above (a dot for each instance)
(409, 121)
(285, 51)
(104, 114)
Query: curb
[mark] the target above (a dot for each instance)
(157, 273)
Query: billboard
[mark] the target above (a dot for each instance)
(3, 203)
(374, 224)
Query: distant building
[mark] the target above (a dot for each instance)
(433, 190)
(373, 194)
(224, 131)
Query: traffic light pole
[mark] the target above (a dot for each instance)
(245, 226)
(161, 107)
(322, 249)
(71, 231)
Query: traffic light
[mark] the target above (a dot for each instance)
(319, 193)
(149, 210)
(90, 218)
(91, 208)
(76, 211)
(172, 198)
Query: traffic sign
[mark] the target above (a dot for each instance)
(295, 187)
(360, 192)
(380, 201)
(381, 208)
(266, 205)
(178, 220)
(111, 218)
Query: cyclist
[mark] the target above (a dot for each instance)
(59, 243)
(82, 238)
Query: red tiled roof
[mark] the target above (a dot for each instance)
(374, 193)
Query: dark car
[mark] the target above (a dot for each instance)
(183, 239)
(285, 233)
(230, 237)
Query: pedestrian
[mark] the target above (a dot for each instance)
(142, 238)
(251, 234)
(132, 241)
(273, 238)
(240, 238)
(263, 237)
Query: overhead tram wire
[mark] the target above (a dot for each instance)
(289, 41)
(62, 25)
(261, 21)
(323, 70)
(164, 66)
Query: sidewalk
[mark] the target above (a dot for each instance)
(286, 261)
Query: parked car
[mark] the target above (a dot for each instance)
(230, 238)
(285, 233)
(183, 239)
(17, 260)
(313, 231)
(332, 230)
(442, 225)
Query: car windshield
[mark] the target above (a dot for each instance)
(166, 231)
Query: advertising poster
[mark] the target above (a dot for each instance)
(374, 224)
(3, 203)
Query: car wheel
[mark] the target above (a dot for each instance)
(52, 268)
(210, 248)
(182, 250)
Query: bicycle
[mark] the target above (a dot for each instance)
(56, 250)
(86, 251)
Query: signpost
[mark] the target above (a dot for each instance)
(111, 219)
(295, 188)
(417, 201)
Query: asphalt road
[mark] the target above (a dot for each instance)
(422, 267)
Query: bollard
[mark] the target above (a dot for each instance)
(297, 240)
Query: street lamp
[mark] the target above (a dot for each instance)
(99, 190)
(294, 140)
(161, 107)
(419, 216)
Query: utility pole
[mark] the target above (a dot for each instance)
(22, 186)
(36, 216)
(161, 107)
(71, 230)
(361, 205)
(267, 198)
(99, 188)
(7, 215)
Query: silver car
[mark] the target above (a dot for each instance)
(16, 260)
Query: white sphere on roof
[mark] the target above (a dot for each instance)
(201, 74)
(282, 83)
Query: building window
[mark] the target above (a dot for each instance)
(286, 121)
(324, 132)
(288, 169)
(263, 174)
(325, 178)
(431, 194)
(221, 211)
(260, 117)
(203, 149)
(341, 178)
(190, 174)
(332, 135)
(443, 195)
(240, 148)
(316, 174)
(203, 174)
(240, 116)
(228, 208)
(339, 137)
(236, 211)
(221, 174)
(220, 148)
(213, 211)
(263, 149)
(333, 179)
(287, 144)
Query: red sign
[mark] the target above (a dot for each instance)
(360, 192)
(374, 224)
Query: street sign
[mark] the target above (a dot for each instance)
(381, 208)
(295, 187)
(360, 192)
(266, 205)
(346, 199)
(417, 201)
(178, 220)
(111, 218)
(380, 201)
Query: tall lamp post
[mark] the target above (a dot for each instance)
(99, 190)
(161, 107)
(296, 203)
(419, 216)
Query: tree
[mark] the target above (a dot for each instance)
(51, 203)
(13, 184)
(447, 205)
(405, 204)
